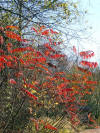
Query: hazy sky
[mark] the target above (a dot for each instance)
(93, 18)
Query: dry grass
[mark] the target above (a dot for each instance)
(91, 131)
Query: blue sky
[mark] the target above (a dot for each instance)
(93, 20)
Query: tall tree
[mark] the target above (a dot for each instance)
(45, 12)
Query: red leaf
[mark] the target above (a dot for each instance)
(56, 56)
(24, 40)
(13, 35)
(38, 53)
(48, 126)
(36, 126)
(1, 66)
(1, 51)
(31, 67)
(21, 61)
(55, 43)
(29, 94)
(41, 66)
(2, 59)
(50, 40)
(30, 86)
(67, 89)
(19, 74)
(1, 28)
(34, 29)
(29, 49)
(74, 49)
(9, 64)
(47, 53)
(90, 118)
(87, 54)
(62, 85)
(59, 73)
(46, 32)
(9, 57)
(53, 32)
(41, 59)
(59, 43)
(82, 69)
(90, 64)
(48, 46)
(91, 82)
(12, 81)
(9, 47)
(20, 49)
(1, 40)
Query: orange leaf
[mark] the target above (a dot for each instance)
(41, 66)
(41, 28)
(47, 53)
(62, 85)
(11, 27)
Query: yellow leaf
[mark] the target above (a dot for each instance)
(33, 91)
(25, 86)
(56, 103)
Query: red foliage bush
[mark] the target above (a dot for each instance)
(57, 83)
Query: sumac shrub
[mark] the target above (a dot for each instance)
(29, 84)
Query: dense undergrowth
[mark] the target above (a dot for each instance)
(35, 96)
